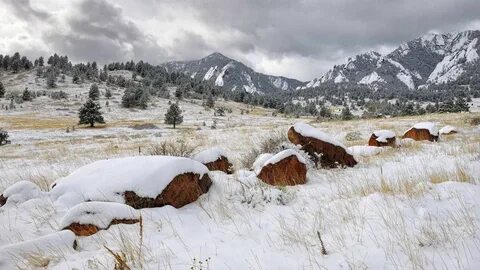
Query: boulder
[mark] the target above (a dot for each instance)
(88, 218)
(422, 131)
(182, 190)
(316, 142)
(448, 130)
(286, 168)
(382, 138)
(215, 159)
(20, 192)
(141, 182)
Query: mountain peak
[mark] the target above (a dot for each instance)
(217, 55)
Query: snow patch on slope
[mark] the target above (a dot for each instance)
(371, 78)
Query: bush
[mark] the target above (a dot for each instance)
(353, 136)
(475, 121)
(178, 148)
(3, 136)
(272, 144)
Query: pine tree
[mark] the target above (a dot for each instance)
(461, 105)
(346, 114)
(210, 101)
(27, 95)
(2, 90)
(51, 78)
(173, 115)
(90, 113)
(40, 61)
(3, 136)
(178, 93)
(108, 93)
(94, 93)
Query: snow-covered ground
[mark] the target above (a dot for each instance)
(411, 207)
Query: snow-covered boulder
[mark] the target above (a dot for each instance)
(20, 192)
(365, 150)
(382, 138)
(88, 218)
(447, 130)
(286, 168)
(141, 182)
(215, 159)
(314, 141)
(423, 131)
(51, 246)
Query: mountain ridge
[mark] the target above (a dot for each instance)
(232, 75)
(427, 60)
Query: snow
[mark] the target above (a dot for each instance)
(282, 155)
(219, 80)
(407, 80)
(209, 155)
(340, 78)
(447, 129)
(210, 73)
(364, 150)
(99, 214)
(250, 88)
(451, 67)
(371, 78)
(430, 126)
(107, 180)
(49, 246)
(21, 192)
(260, 161)
(279, 83)
(309, 131)
(383, 135)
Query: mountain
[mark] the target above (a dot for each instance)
(230, 74)
(428, 60)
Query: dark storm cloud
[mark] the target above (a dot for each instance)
(320, 28)
(293, 38)
(98, 31)
(24, 9)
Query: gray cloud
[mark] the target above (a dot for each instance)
(23, 9)
(293, 38)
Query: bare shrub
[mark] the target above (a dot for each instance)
(475, 121)
(271, 144)
(179, 148)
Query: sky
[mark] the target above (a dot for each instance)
(298, 39)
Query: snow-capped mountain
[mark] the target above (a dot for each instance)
(431, 59)
(232, 75)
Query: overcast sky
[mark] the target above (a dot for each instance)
(298, 39)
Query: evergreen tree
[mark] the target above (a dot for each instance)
(27, 95)
(40, 61)
(51, 78)
(3, 136)
(461, 105)
(94, 93)
(143, 101)
(325, 112)
(2, 90)
(90, 113)
(174, 115)
(179, 93)
(108, 93)
(346, 114)
(210, 101)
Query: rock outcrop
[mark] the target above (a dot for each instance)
(425, 131)
(215, 159)
(140, 182)
(88, 218)
(382, 138)
(286, 168)
(320, 146)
